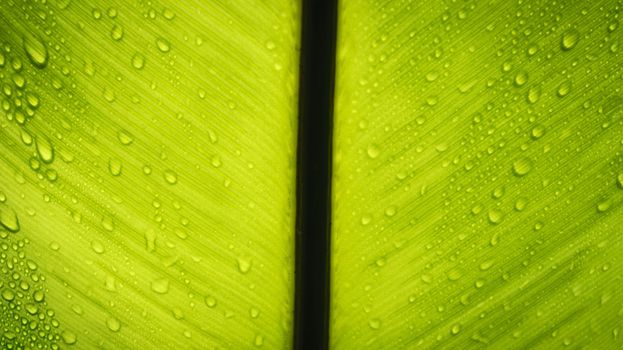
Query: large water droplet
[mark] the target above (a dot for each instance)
(35, 50)
(8, 218)
(45, 149)
(569, 39)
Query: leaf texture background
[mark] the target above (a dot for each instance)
(147, 150)
(478, 175)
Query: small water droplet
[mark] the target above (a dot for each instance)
(125, 137)
(534, 93)
(374, 323)
(259, 340)
(116, 32)
(563, 89)
(455, 329)
(620, 180)
(390, 211)
(138, 61)
(97, 246)
(244, 265)
(373, 151)
(170, 177)
(108, 224)
(69, 337)
(163, 45)
(115, 167)
(495, 216)
(113, 324)
(522, 166)
(486, 265)
(603, 206)
(160, 286)
(521, 78)
(210, 301)
(537, 131)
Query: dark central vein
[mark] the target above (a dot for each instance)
(313, 221)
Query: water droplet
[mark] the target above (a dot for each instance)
(520, 204)
(454, 274)
(113, 324)
(373, 151)
(564, 89)
(163, 45)
(569, 39)
(538, 131)
(97, 246)
(117, 32)
(366, 219)
(603, 206)
(138, 61)
(8, 218)
(534, 93)
(426, 278)
(620, 180)
(486, 265)
(380, 262)
(390, 211)
(495, 216)
(160, 286)
(456, 329)
(521, 78)
(38, 296)
(108, 224)
(210, 301)
(115, 167)
(244, 265)
(374, 323)
(216, 161)
(254, 313)
(270, 45)
(522, 166)
(170, 177)
(69, 337)
(36, 51)
(259, 340)
(168, 14)
(45, 149)
(125, 137)
(8, 294)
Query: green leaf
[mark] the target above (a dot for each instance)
(146, 173)
(478, 164)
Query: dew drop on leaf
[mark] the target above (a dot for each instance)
(160, 286)
(495, 216)
(373, 151)
(8, 218)
(45, 149)
(522, 166)
(138, 61)
(113, 324)
(569, 39)
(35, 50)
